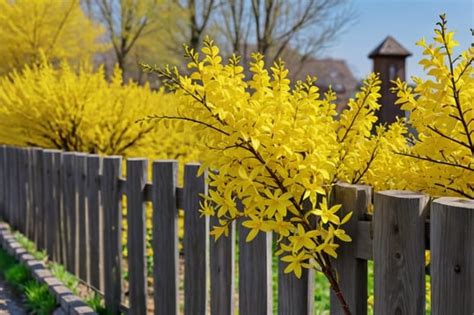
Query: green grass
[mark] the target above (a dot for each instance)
(38, 299)
(69, 280)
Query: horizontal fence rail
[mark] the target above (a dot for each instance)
(70, 205)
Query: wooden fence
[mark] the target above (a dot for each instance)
(70, 205)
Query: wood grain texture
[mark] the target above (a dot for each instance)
(8, 184)
(82, 217)
(351, 272)
(112, 232)
(70, 213)
(95, 215)
(48, 200)
(136, 241)
(295, 296)
(22, 197)
(15, 188)
(399, 257)
(196, 243)
(452, 256)
(57, 204)
(30, 217)
(165, 237)
(222, 256)
(38, 187)
(255, 273)
(365, 239)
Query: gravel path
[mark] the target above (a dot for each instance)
(8, 303)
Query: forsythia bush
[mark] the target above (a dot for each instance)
(441, 157)
(79, 110)
(279, 150)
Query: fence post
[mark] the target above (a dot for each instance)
(351, 272)
(82, 219)
(96, 245)
(38, 188)
(222, 256)
(196, 243)
(8, 183)
(14, 187)
(399, 252)
(136, 241)
(22, 193)
(255, 273)
(57, 204)
(49, 201)
(30, 217)
(70, 213)
(452, 256)
(112, 232)
(165, 237)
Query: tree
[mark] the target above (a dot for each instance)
(275, 25)
(55, 29)
(138, 30)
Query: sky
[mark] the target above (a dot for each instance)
(407, 21)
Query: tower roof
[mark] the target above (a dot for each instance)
(390, 47)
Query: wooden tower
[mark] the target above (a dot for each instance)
(389, 60)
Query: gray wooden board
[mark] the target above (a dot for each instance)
(255, 273)
(39, 201)
(222, 255)
(70, 211)
(82, 219)
(57, 204)
(399, 253)
(96, 268)
(196, 243)
(136, 241)
(452, 256)
(165, 237)
(48, 200)
(295, 296)
(351, 272)
(112, 232)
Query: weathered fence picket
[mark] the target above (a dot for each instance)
(95, 216)
(136, 241)
(196, 243)
(165, 237)
(452, 256)
(70, 205)
(112, 232)
(399, 252)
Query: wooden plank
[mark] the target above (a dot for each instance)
(30, 217)
(255, 273)
(295, 296)
(22, 180)
(40, 206)
(196, 243)
(48, 200)
(70, 214)
(364, 244)
(452, 256)
(9, 192)
(222, 255)
(82, 220)
(2, 182)
(399, 252)
(351, 272)
(165, 237)
(15, 187)
(57, 204)
(112, 232)
(96, 245)
(136, 241)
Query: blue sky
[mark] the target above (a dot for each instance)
(407, 21)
